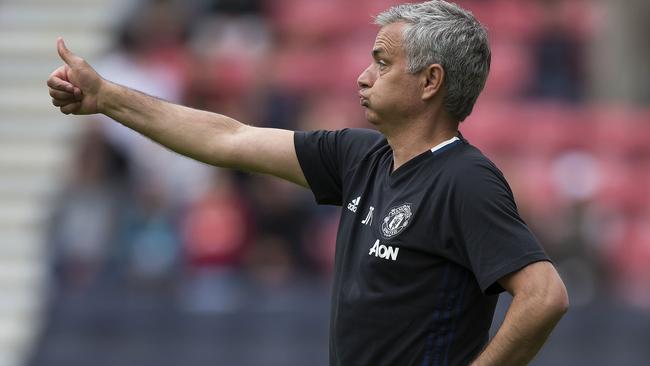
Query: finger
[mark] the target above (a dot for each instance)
(62, 95)
(78, 94)
(56, 82)
(60, 72)
(62, 102)
(65, 54)
(70, 108)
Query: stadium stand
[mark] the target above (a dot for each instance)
(33, 148)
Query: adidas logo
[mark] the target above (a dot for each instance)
(352, 206)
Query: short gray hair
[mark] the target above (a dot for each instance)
(439, 32)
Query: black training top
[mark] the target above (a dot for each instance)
(418, 251)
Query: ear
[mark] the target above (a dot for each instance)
(434, 76)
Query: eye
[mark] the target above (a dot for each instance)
(382, 64)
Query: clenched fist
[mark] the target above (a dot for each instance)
(75, 86)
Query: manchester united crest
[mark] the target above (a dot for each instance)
(397, 220)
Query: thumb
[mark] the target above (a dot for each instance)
(65, 54)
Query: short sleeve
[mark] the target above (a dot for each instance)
(326, 156)
(495, 239)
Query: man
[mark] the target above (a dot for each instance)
(429, 231)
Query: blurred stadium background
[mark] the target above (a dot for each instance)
(114, 251)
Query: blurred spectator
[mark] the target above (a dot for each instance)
(270, 263)
(281, 211)
(151, 56)
(85, 215)
(234, 6)
(216, 232)
(576, 177)
(229, 70)
(217, 227)
(558, 60)
(150, 245)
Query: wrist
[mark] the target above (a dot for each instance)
(106, 97)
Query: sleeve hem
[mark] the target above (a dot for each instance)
(298, 141)
(490, 285)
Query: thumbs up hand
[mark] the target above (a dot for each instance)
(74, 87)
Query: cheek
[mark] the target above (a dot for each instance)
(397, 99)
(391, 90)
(407, 89)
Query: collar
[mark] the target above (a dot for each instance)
(444, 143)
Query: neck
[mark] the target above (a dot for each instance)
(412, 139)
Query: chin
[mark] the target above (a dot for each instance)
(372, 118)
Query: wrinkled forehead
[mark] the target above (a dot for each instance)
(390, 39)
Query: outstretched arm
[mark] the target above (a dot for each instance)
(76, 88)
(539, 301)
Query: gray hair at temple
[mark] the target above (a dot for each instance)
(439, 32)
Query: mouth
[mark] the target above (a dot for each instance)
(363, 101)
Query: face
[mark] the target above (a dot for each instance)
(388, 93)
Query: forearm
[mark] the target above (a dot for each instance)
(527, 325)
(208, 137)
(76, 88)
(198, 134)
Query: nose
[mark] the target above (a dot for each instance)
(364, 80)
